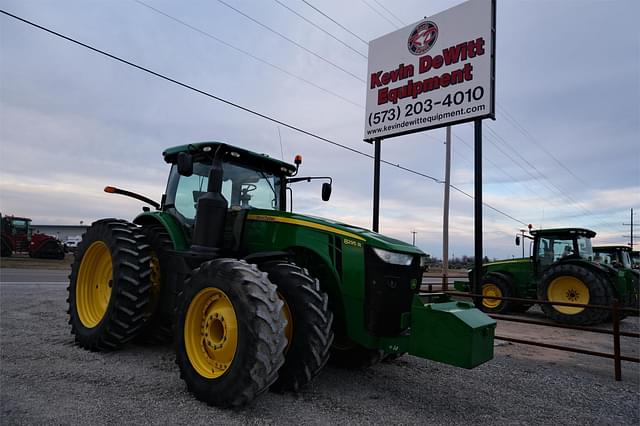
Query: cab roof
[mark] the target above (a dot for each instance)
(564, 231)
(232, 153)
(612, 248)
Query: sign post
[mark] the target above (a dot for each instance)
(376, 185)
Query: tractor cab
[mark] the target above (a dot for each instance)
(553, 245)
(249, 180)
(617, 256)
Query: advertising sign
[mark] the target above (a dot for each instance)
(436, 72)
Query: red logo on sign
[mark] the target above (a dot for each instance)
(422, 38)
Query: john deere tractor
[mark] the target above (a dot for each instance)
(562, 268)
(618, 256)
(256, 297)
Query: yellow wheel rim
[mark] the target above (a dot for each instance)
(93, 285)
(288, 329)
(211, 333)
(568, 289)
(491, 290)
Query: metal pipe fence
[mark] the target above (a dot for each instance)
(616, 311)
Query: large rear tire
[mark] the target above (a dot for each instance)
(574, 284)
(109, 285)
(159, 327)
(308, 328)
(229, 334)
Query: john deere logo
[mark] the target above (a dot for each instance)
(422, 38)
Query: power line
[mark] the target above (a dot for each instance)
(389, 12)
(322, 58)
(379, 13)
(235, 105)
(526, 133)
(557, 189)
(244, 52)
(320, 28)
(335, 22)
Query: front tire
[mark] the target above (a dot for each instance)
(308, 330)
(574, 284)
(109, 285)
(229, 334)
(498, 286)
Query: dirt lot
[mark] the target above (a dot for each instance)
(46, 379)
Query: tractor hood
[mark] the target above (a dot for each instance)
(507, 262)
(344, 230)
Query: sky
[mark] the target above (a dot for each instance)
(564, 149)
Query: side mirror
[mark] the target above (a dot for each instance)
(326, 191)
(185, 164)
(517, 240)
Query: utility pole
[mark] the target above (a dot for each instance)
(445, 218)
(414, 237)
(630, 225)
(522, 231)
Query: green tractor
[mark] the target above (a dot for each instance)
(618, 256)
(562, 268)
(256, 297)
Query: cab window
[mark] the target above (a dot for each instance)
(243, 187)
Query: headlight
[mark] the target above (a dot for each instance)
(394, 258)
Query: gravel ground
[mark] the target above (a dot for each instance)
(46, 379)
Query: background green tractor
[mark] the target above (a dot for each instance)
(619, 256)
(561, 268)
(257, 297)
(635, 259)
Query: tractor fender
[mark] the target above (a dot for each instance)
(170, 224)
(266, 256)
(503, 275)
(598, 268)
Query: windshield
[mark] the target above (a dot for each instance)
(243, 187)
(585, 249)
(613, 257)
(552, 249)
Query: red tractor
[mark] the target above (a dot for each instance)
(18, 236)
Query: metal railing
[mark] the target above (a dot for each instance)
(616, 311)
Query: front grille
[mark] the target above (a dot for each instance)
(388, 293)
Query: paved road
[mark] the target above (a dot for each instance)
(15, 276)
